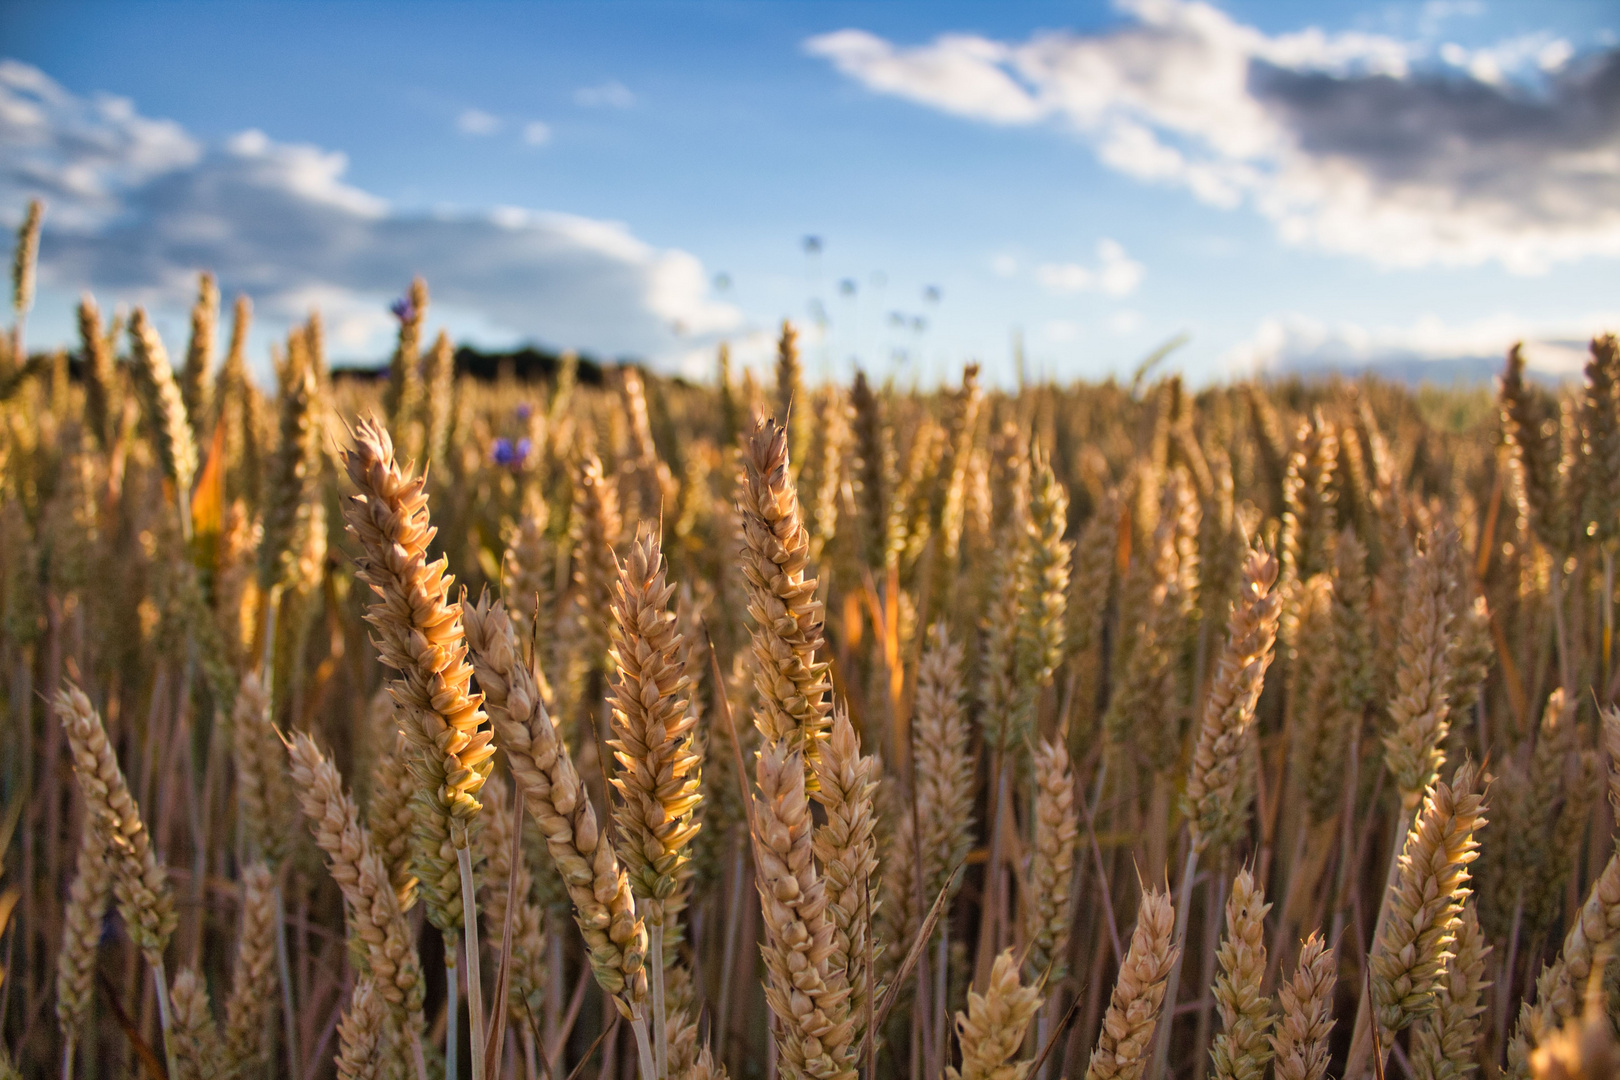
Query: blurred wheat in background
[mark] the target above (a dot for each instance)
(445, 727)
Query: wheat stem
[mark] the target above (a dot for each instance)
(475, 986)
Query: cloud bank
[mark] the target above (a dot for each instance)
(1350, 142)
(1429, 348)
(138, 206)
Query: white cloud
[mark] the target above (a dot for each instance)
(957, 73)
(477, 122)
(137, 207)
(1116, 274)
(612, 94)
(1428, 347)
(1352, 142)
(1004, 265)
(537, 133)
(1124, 323)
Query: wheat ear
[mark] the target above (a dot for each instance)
(194, 1042)
(1217, 798)
(942, 767)
(1125, 1042)
(139, 883)
(23, 269)
(253, 982)
(81, 936)
(846, 848)
(1418, 713)
(198, 367)
(808, 994)
(1043, 589)
(1443, 1043)
(382, 937)
(419, 634)
(265, 804)
(992, 1029)
(657, 771)
(656, 778)
(1423, 908)
(100, 373)
(1559, 986)
(615, 938)
(1300, 1043)
(361, 1034)
(1241, 1050)
(1048, 908)
(793, 684)
(165, 411)
(389, 814)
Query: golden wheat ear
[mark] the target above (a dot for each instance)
(992, 1029)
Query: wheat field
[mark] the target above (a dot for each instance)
(608, 724)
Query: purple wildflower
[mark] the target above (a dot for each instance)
(403, 309)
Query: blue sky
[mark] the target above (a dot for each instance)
(1289, 185)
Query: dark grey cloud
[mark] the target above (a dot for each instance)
(1554, 149)
(1353, 142)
